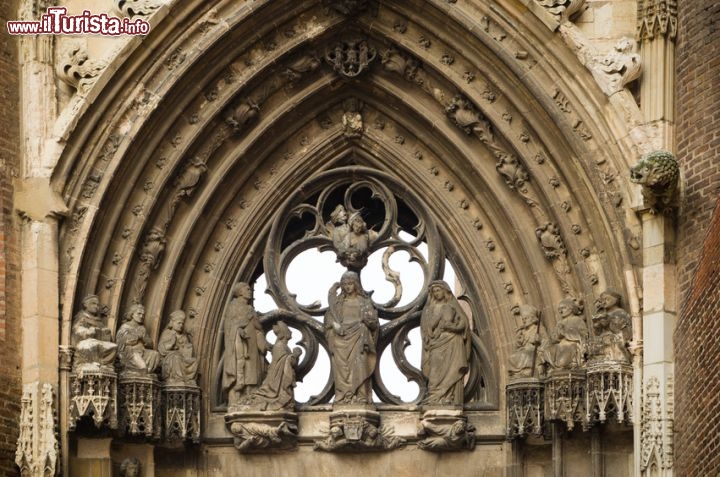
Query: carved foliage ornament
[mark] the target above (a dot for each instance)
(562, 10)
(37, 446)
(350, 57)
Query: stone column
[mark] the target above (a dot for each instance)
(656, 32)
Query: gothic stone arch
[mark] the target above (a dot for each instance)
(191, 139)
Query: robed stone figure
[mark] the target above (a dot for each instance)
(351, 327)
(91, 337)
(447, 343)
(244, 362)
(179, 364)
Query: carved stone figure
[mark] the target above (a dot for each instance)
(150, 255)
(276, 391)
(446, 432)
(569, 341)
(135, 345)
(446, 347)
(619, 67)
(91, 338)
(301, 66)
(612, 328)
(130, 467)
(658, 173)
(525, 361)
(251, 436)
(179, 365)
(352, 119)
(351, 327)
(245, 346)
(353, 250)
(360, 431)
(338, 226)
(551, 241)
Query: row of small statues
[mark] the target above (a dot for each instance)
(570, 345)
(351, 328)
(133, 347)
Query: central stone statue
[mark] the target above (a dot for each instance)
(351, 327)
(447, 344)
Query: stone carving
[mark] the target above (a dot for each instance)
(187, 181)
(131, 8)
(445, 331)
(611, 71)
(551, 241)
(179, 365)
(612, 329)
(404, 66)
(609, 392)
(464, 114)
(300, 67)
(37, 446)
(562, 10)
(656, 443)
(657, 18)
(91, 338)
(245, 346)
(93, 393)
(150, 255)
(243, 114)
(351, 328)
(358, 430)
(658, 173)
(76, 69)
(182, 413)
(351, 238)
(530, 337)
(258, 432)
(446, 431)
(352, 120)
(130, 467)
(514, 174)
(350, 57)
(565, 397)
(135, 345)
(276, 392)
(525, 407)
(569, 342)
(139, 405)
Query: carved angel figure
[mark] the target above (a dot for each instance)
(446, 338)
(612, 328)
(351, 327)
(244, 362)
(529, 336)
(179, 365)
(91, 338)
(569, 342)
(135, 345)
(351, 238)
(276, 391)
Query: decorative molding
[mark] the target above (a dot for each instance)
(562, 10)
(656, 18)
(132, 8)
(656, 446)
(37, 446)
(76, 68)
(350, 57)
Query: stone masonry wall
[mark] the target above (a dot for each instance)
(697, 336)
(10, 356)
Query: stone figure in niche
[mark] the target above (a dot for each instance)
(276, 391)
(612, 328)
(91, 338)
(179, 365)
(351, 327)
(525, 361)
(135, 345)
(244, 362)
(569, 342)
(447, 343)
(130, 467)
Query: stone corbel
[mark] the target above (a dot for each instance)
(36, 200)
(132, 8)
(611, 71)
(76, 68)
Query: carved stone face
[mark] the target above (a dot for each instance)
(92, 306)
(138, 314)
(564, 310)
(358, 225)
(438, 293)
(608, 300)
(348, 286)
(178, 323)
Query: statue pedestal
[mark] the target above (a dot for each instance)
(565, 397)
(357, 429)
(446, 430)
(93, 391)
(609, 391)
(524, 407)
(263, 431)
(140, 406)
(181, 405)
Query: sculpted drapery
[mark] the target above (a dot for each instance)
(245, 346)
(179, 365)
(351, 327)
(134, 343)
(447, 344)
